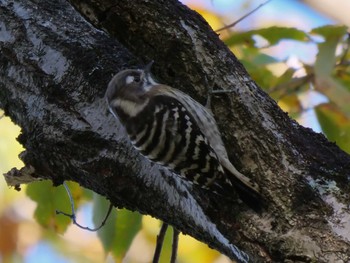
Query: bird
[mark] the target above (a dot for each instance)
(170, 128)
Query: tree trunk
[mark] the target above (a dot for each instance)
(55, 67)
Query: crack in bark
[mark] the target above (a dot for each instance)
(68, 134)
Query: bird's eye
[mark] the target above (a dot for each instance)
(137, 78)
(131, 79)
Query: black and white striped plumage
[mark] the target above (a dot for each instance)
(170, 128)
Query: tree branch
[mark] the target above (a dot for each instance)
(54, 69)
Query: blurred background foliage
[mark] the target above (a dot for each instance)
(300, 58)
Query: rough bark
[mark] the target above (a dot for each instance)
(54, 68)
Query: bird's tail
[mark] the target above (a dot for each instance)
(247, 192)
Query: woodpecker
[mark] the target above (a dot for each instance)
(170, 128)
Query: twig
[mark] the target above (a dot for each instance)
(160, 241)
(243, 17)
(291, 85)
(73, 214)
(174, 245)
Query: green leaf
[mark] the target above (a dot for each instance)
(272, 34)
(288, 85)
(335, 125)
(344, 80)
(167, 245)
(107, 232)
(291, 104)
(127, 227)
(330, 31)
(286, 76)
(245, 38)
(48, 200)
(326, 57)
(262, 75)
(263, 59)
(335, 91)
(254, 56)
(325, 81)
(325, 60)
(275, 34)
(120, 229)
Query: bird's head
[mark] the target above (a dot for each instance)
(127, 91)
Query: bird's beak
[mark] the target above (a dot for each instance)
(146, 74)
(147, 68)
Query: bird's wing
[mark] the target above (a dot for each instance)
(208, 126)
